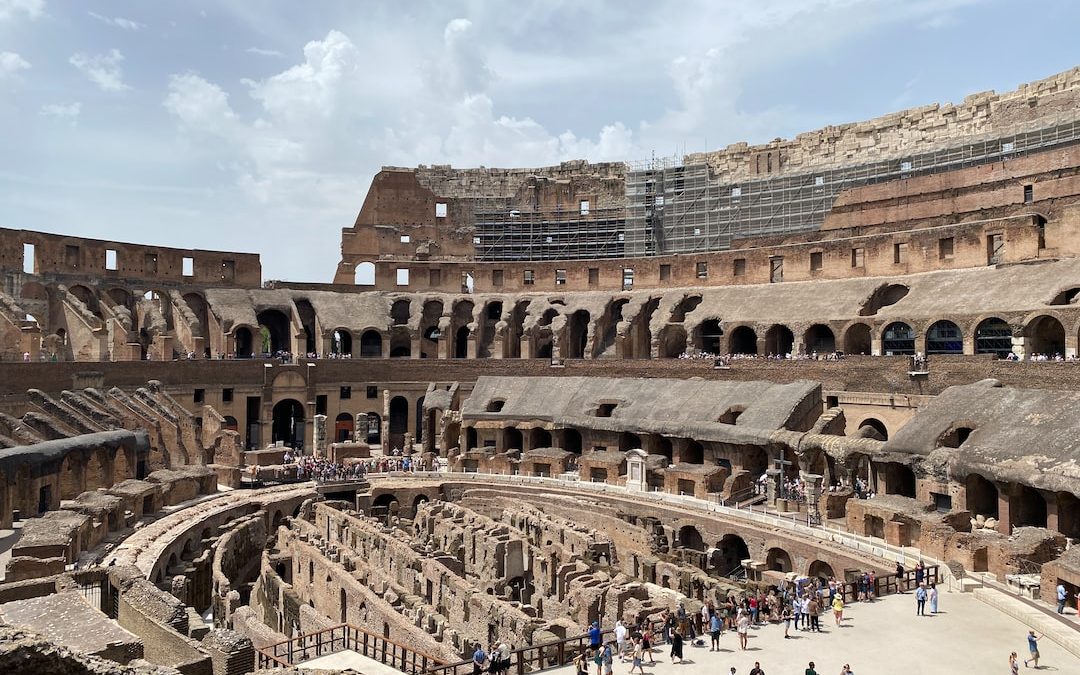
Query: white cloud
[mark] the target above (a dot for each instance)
(31, 8)
(118, 21)
(67, 112)
(310, 89)
(199, 105)
(102, 69)
(11, 63)
(263, 52)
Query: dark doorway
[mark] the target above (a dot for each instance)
(288, 426)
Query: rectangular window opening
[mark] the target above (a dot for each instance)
(528, 277)
(665, 272)
(899, 253)
(739, 267)
(346, 393)
(402, 276)
(228, 270)
(594, 276)
(150, 263)
(560, 277)
(188, 267)
(584, 207)
(1029, 194)
(995, 248)
(110, 259)
(628, 278)
(466, 282)
(405, 239)
(321, 404)
(816, 260)
(435, 278)
(200, 395)
(29, 265)
(440, 209)
(702, 270)
(496, 278)
(226, 395)
(857, 256)
(71, 257)
(945, 248)
(372, 391)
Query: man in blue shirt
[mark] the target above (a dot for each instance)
(920, 601)
(478, 660)
(594, 635)
(1062, 594)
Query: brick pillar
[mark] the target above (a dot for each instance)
(969, 345)
(1005, 505)
(1053, 514)
(875, 346)
(416, 347)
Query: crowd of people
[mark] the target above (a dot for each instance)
(698, 354)
(299, 468)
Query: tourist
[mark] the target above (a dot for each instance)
(810, 670)
(598, 659)
(756, 670)
(647, 640)
(805, 609)
(797, 609)
(594, 635)
(920, 600)
(787, 620)
(1014, 667)
(479, 658)
(1062, 595)
(920, 573)
(899, 577)
(620, 639)
(607, 658)
(814, 610)
(933, 598)
(676, 645)
(1033, 648)
(636, 658)
(715, 628)
(838, 609)
(581, 663)
(742, 626)
(503, 658)
(846, 670)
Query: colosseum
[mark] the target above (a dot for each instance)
(537, 399)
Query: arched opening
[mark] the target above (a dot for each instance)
(343, 427)
(486, 339)
(341, 342)
(898, 339)
(883, 296)
(1030, 510)
(572, 441)
(728, 555)
(629, 441)
(288, 425)
(743, 341)
(278, 337)
(399, 422)
(343, 605)
(384, 501)
(821, 570)
(878, 428)
(778, 560)
(779, 340)
(857, 339)
(511, 439)
(711, 337)
(956, 436)
(665, 448)
(540, 438)
(461, 343)
(819, 338)
(400, 344)
(370, 344)
(577, 334)
(244, 346)
(305, 312)
(372, 429)
(399, 312)
(982, 496)
(1068, 509)
(993, 336)
(692, 453)
(364, 274)
(672, 341)
(943, 337)
(86, 297)
(420, 420)
(430, 332)
(1045, 335)
(470, 438)
(231, 424)
(690, 538)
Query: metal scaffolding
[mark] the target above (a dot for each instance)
(505, 231)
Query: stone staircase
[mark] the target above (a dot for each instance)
(1042, 623)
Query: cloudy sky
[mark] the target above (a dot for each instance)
(257, 125)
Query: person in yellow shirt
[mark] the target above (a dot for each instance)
(838, 608)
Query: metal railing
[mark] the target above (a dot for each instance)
(341, 638)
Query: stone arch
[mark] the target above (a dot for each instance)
(400, 311)
(244, 342)
(512, 439)
(278, 327)
(343, 427)
(399, 421)
(572, 440)
(993, 336)
(898, 338)
(540, 437)
(629, 441)
(341, 342)
(779, 340)
(726, 558)
(710, 336)
(671, 341)
(371, 343)
(819, 338)
(743, 340)
(1029, 508)
(461, 342)
(690, 537)
(944, 337)
(577, 334)
(692, 453)
(880, 430)
(778, 560)
(857, 339)
(364, 274)
(400, 344)
(1044, 334)
(288, 423)
(821, 570)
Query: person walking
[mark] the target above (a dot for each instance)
(676, 645)
(1062, 595)
(838, 608)
(581, 663)
(715, 627)
(756, 670)
(815, 614)
(920, 601)
(899, 577)
(810, 669)
(742, 626)
(1014, 665)
(646, 642)
(620, 639)
(479, 658)
(787, 620)
(1033, 648)
(635, 661)
(933, 598)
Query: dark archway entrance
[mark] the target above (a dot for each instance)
(857, 339)
(728, 555)
(712, 336)
(898, 339)
(943, 337)
(399, 421)
(1045, 335)
(743, 340)
(341, 342)
(343, 427)
(690, 538)
(370, 344)
(244, 347)
(819, 338)
(993, 336)
(778, 560)
(277, 327)
(982, 496)
(779, 340)
(461, 343)
(288, 425)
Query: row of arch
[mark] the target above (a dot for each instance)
(289, 419)
(727, 555)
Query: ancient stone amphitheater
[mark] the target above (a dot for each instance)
(537, 398)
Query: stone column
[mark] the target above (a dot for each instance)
(813, 497)
(416, 346)
(773, 489)
(875, 346)
(319, 434)
(385, 432)
(1018, 346)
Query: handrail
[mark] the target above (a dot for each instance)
(339, 638)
